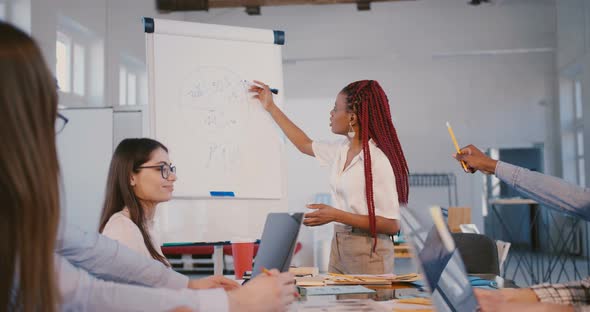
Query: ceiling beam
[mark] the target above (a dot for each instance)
(204, 5)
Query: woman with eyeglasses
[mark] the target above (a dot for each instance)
(140, 177)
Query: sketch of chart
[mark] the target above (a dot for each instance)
(215, 119)
(221, 96)
(223, 157)
(220, 137)
(213, 87)
(219, 99)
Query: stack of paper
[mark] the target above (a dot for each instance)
(410, 277)
(334, 290)
(322, 304)
(341, 279)
(368, 279)
(416, 300)
(304, 271)
(310, 281)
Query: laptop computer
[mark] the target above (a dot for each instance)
(278, 242)
(439, 260)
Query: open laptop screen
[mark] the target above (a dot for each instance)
(443, 269)
(278, 241)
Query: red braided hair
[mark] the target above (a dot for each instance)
(368, 100)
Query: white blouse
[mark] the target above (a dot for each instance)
(347, 185)
(122, 229)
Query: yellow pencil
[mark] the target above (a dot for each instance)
(456, 144)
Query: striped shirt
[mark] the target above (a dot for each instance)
(575, 293)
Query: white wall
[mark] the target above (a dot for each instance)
(126, 124)
(419, 51)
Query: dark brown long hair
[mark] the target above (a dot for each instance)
(29, 174)
(128, 156)
(367, 99)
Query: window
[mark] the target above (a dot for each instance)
(63, 66)
(131, 89)
(581, 168)
(79, 70)
(78, 53)
(572, 130)
(579, 133)
(71, 65)
(132, 82)
(122, 86)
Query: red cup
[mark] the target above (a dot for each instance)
(243, 253)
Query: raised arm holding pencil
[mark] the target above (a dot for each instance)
(476, 160)
(551, 192)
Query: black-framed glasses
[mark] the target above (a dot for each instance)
(165, 169)
(60, 123)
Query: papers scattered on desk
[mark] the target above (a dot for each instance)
(420, 301)
(356, 280)
(410, 277)
(366, 279)
(362, 279)
(304, 271)
(310, 281)
(408, 305)
(322, 304)
(334, 290)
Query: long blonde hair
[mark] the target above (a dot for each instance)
(29, 171)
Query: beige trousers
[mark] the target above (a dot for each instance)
(352, 252)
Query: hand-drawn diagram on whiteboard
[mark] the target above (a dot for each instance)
(219, 94)
(223, 157)
(207, 87)
(220, 138)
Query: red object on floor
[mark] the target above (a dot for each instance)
(188, 250)
(208, 250)
(227, 250)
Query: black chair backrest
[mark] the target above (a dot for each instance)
(479, 253)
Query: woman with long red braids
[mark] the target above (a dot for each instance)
(368, 179)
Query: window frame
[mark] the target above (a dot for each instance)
(571, 89)
(578, 130)
(77, 92)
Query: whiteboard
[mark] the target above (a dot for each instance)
(219, 138)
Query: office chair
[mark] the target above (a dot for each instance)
(479, 253)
